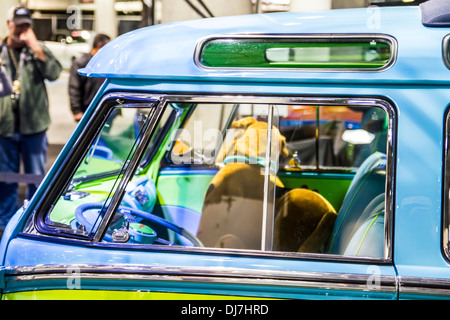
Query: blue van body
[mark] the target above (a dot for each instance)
(162, 61)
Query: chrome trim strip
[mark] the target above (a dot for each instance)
(390, 174)
(223, 275)
(267, 217)
(306, 36)
(424, 286)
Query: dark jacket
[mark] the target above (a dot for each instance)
(33, 102)
(82, 89)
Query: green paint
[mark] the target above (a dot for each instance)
(113, 295)
(183, 190)
(98, 191)
(96, 166)
(331, 186)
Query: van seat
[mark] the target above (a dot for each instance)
(368, 183)
(367, 238)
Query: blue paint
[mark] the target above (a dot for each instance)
(159, 60)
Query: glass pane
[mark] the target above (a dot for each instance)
(216, 166)
(337, 136)
(98, 175)
(198, 141)
(334, 53)
(334, 181)
(238, 184)
(137, 219)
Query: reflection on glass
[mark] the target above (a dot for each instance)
(98, 174)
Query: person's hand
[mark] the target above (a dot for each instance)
(29, 38)
(77, 116)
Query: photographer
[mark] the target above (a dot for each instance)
(24, 115)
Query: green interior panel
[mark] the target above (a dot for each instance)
(97, 191)
(178, 189)
(185, 190)
(332, 186)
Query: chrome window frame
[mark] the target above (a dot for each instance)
(446, 50)
(446, 187)
(300, 36)
(67, 169)
(162, 102)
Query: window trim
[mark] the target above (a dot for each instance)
(301, 36)
(128, 174)
(67, 168)
(445, 236)
(161, 102)
(446, 50)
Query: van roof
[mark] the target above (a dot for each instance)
(166, 51)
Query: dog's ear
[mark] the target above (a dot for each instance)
(243, 123)
(284, 151)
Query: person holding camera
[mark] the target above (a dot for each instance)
(24, 114)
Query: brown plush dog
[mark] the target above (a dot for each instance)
(303, 222)
(250, 140)
(233, 206)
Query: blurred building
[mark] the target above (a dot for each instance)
(57, 19)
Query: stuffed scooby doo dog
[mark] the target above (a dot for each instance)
(304, 221)
(233, 205)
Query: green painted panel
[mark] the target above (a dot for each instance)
(113, 295)
(332, 186)
(186, 191)
(64, 210)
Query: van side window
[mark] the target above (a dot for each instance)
(335, 180)
(271, 177)
(321, 189)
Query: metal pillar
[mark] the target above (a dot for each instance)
(106, 18)
(308, 5)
